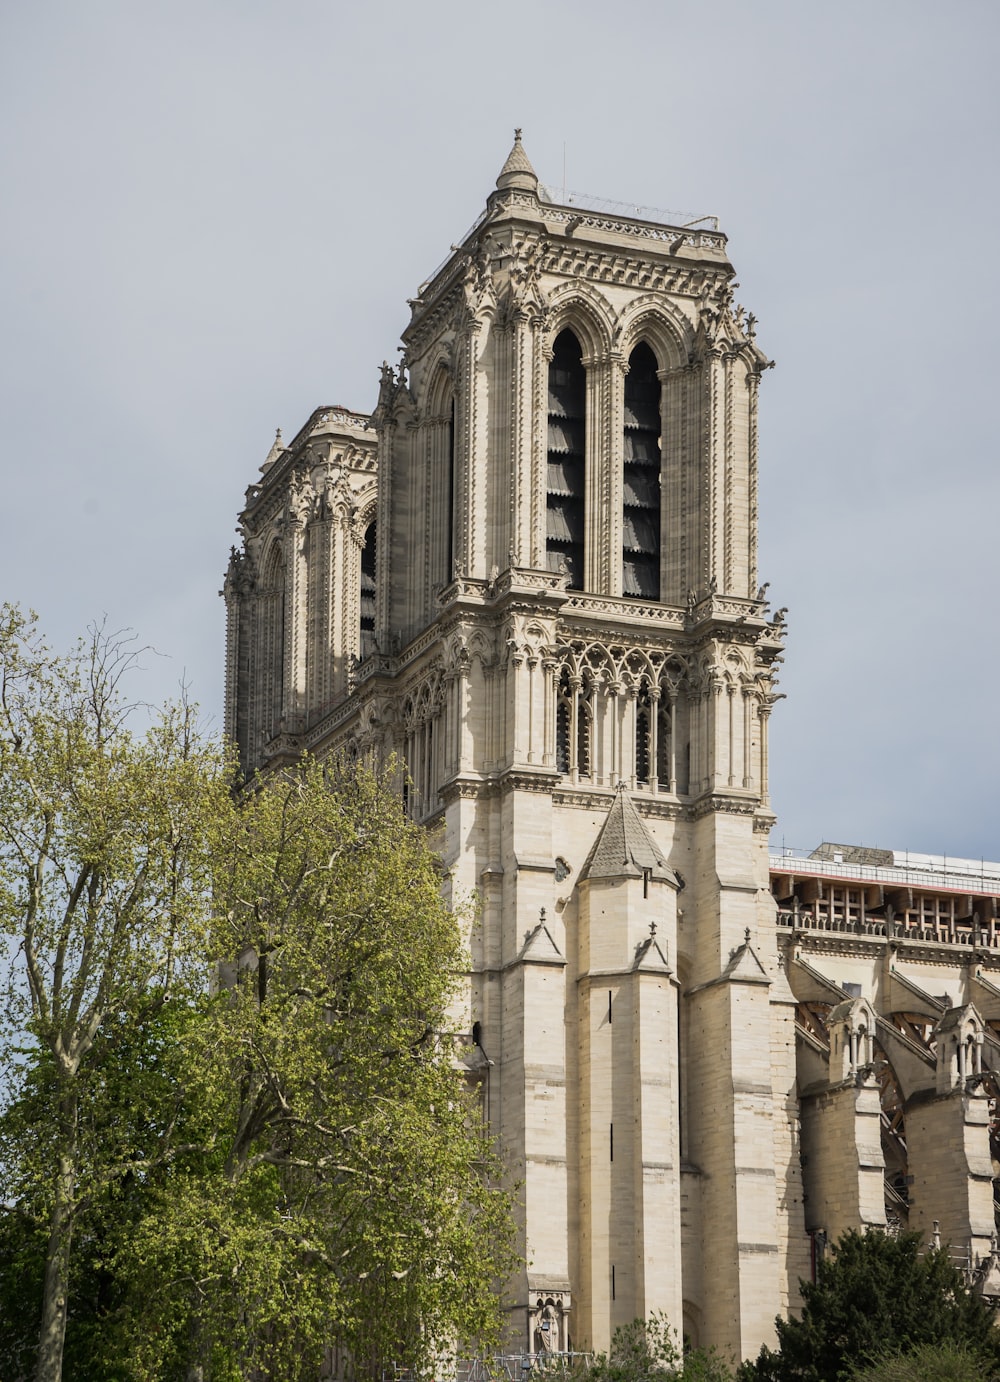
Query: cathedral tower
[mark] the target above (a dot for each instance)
(551, 615)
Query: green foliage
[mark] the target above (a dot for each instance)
(349, 1196)
(228, 1181)
(932, 1363)
(104, 890)
(133, 1123)
(875, 1293)
(649, 1349)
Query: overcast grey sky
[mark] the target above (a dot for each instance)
(214, 213)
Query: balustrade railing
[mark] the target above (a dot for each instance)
(945, 931)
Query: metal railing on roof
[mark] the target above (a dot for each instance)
(599, 206)
(583, 201)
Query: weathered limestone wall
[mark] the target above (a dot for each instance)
(571, 1020)
(949, 1161)
(843, 1165)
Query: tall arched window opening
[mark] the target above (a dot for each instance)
(367, 595)
(584, 737)
(566, 470)
(564, 726)
(643, 736)
(449, 500)
(641, 480)
(271, 646)
(666, 763)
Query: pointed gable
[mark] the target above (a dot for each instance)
(624, 848)
(539, 946)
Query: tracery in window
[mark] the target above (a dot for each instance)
(566, 467)
(641, 478)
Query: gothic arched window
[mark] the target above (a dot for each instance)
(366, 641)
(449, 551)
(566, 471)
(271, 645)
(641, 480)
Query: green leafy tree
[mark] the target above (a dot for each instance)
(350, 1197)
(104, 885)
(135, 1102)
(932, 1363)
(225, 1183)
(649, 1351)
(875, 1293)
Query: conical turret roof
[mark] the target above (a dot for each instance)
(277, 449)
(625, 848)
(517, 171)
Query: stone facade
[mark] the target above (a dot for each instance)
(531, 576)
(894, 963)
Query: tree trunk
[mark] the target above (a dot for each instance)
(55, 1297)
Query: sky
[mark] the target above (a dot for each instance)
(213, 214)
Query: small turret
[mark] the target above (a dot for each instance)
(517, 171)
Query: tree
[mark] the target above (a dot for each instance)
(875, 1293)
(931, 1363)
(350, 1195)
(134, 1101)
(648, 1351)
(286, 1159)
(104, 885)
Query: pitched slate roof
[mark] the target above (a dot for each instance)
(624, 848)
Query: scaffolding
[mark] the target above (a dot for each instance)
(512, 1367)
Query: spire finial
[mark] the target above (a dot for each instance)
(517, 171)
(277, 448)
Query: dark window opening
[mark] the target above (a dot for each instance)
(563, 713)
(642, 738)
(583, 738)
(641, 479)
(368, 593)
(449, 551)
(565, 492)
(663, 743)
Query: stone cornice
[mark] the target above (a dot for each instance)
(717, 802)
(600, 798)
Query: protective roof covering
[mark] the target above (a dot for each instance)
(624, 848)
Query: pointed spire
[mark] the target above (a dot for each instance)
(277, 449)
(625, 848)
(517, 171)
